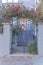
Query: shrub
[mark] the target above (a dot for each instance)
(32, 47)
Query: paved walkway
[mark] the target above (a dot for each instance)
(21, 59)
(19, 49)
(16, 60)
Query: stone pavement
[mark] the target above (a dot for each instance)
(16, 60)
(21, 59)
(37, 60)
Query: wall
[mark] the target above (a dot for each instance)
(40, 39)
(5, 40)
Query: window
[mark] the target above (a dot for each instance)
(10, 1)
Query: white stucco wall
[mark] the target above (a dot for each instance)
(5, 40)
(40, 39)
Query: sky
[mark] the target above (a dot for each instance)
(29, 3)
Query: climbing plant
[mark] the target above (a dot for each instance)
(20, 11)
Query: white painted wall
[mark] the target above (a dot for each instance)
(40, 39)
(5, 40)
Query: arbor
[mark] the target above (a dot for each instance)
(18, 11)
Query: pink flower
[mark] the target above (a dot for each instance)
(38, 12)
